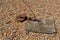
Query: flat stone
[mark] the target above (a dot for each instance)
(41, 27)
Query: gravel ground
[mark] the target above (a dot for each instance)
(10, 29)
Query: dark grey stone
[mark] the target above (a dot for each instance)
(37, 27)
